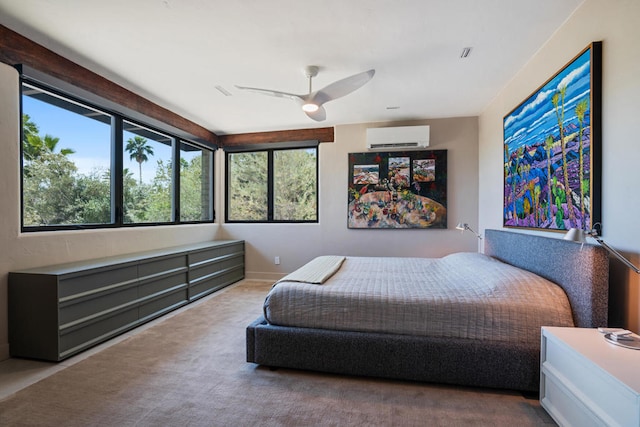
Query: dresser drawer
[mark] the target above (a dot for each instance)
(204, 256)
(162, 265)
(215, 266)
(77, 337)
(99, 280)
(150, 287)
(76, 309)
(212, 282)
(163, 302)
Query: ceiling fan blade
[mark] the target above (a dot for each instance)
(269, 92)
(342, 87)
(330, 92)
(319, 115)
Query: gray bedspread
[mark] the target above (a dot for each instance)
(463, 295)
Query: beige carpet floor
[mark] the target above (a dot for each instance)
(190, 370)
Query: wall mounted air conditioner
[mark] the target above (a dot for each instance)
(398, 138)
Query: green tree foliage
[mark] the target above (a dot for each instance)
(134, 200)
(548, 146)
(559, 105)
(159, 194)
(54, 193)
(581, 109)
(139, 151)
(93, 197)
(34, 145)
(29, 128)
(193, 190)
(152, 202)
(295, 185)
(514, 188)
(248, 186)
(49, 190)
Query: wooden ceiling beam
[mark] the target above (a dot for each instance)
(320, 134)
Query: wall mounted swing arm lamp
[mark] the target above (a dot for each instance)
(464, 227)
(579, 236)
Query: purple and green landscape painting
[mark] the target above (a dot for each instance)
(548, 152)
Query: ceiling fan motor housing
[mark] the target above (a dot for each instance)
(311, 71)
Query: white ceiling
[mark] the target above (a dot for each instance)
(175, 52)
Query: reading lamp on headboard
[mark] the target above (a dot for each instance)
(464, 227)
(623, 337)
(579, 236)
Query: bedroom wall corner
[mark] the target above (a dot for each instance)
(9, 191)
(615, 24)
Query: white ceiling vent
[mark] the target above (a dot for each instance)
(398, 138)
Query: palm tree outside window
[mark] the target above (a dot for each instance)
(139, 151)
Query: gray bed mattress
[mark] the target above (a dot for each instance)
(463, 295)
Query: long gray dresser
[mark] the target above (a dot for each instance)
(61, 310)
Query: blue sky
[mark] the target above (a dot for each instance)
(90, 139)
(535, 119)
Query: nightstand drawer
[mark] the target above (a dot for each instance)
(597, 390)
(563, 405)
(576, 388)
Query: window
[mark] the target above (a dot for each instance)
(295, 186)
(196, 183)
(85, 167)
(66, 161)
(274, 185)
(147, 175)
(247, 189)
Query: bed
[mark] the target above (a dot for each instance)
(456, 341)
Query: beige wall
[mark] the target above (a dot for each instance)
(296, 244)
(20, 251)
(615, 22)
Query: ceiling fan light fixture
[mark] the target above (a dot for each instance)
(312, 103)
(310, 107)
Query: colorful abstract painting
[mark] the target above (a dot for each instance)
(552, 150)
(398, 189)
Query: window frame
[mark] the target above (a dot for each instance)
(116, 160)
(270, 148)
(210, 190)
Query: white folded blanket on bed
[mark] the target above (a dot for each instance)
(316, 271)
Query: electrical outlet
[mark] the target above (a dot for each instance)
(276, 260)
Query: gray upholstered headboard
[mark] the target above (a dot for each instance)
(581, 270)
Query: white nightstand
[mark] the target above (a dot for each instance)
(586, 381)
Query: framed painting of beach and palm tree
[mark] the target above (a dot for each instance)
(552, 150)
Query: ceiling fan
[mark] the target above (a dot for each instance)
(312, 102)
